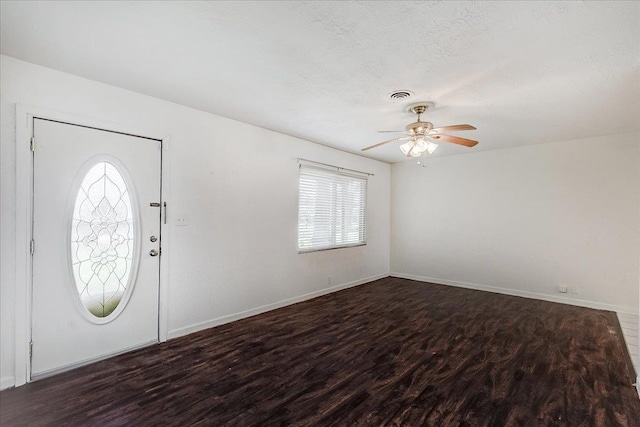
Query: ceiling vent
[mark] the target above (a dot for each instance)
(400, 95)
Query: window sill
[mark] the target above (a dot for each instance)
(306, 251)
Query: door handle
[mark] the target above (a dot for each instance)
(153, 252)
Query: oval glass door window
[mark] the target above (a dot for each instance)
(103, 233)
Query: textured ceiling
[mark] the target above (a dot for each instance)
(521, 72)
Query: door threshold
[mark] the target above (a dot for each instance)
(86, 362)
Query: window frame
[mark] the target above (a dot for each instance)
(362, 229)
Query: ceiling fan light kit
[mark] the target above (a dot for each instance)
(421, 135)
(416, 146)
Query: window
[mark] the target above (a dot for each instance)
(331, 209)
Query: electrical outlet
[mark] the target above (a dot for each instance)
(575, 289)
(182, 220)
(562, 289)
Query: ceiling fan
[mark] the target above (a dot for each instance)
(421, 136)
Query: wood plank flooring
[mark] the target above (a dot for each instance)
(391, 352)
(629, 325)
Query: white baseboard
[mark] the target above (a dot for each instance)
(7, 382)
(262, 309)
(518, 293)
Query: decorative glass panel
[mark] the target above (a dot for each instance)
(102, 239)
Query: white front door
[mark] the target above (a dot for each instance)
(96, 232)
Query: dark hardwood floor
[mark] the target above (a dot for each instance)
(392, 352)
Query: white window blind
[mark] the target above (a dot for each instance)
(331, 209)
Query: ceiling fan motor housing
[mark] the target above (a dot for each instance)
(418, 128)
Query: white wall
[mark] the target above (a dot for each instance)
(237, 183)
(524, 220)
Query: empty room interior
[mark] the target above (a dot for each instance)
(314, 213)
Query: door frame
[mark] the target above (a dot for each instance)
(25, 116)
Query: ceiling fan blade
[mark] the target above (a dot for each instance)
(453, 128)
(456, 140)
(384, 142)
(379, 144)
(391, 131)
